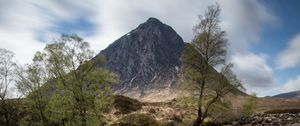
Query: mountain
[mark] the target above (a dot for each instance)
(289, 95)
(146, 59)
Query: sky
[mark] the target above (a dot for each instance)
(264, 36)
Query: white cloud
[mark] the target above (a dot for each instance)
(114, 18)
(243, 20)
(254, 72)
(290, 56)
(22, 21)
(292, 84)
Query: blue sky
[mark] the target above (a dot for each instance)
(264, 36)
(276, 38)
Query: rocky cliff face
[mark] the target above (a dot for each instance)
(147, 58)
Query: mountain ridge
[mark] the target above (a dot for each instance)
(288, 95)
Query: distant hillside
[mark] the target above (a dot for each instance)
(289, 95)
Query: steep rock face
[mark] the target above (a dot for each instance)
(146, 58)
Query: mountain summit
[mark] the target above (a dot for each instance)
(146, 59)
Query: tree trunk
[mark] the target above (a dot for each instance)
(199, 119)
(7, 121)
(83, 118)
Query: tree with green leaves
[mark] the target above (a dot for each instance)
(81, 88)
(64, 85)
(31, 83)
(206, 51)
(249, 105)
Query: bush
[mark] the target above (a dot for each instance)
(126, 105)
(249, 105)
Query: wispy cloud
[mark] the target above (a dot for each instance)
(24, 24)
(255, 73)
(293, 84)
(290, 56)
(243, 21)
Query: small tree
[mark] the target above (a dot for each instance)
(82, 89)
(30, 83)
(249, 105)
(207, 50)
(8, 108)
(7, 66)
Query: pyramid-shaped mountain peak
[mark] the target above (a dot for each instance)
(146, 58)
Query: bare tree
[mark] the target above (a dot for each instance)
(207, 50)
(7, 66)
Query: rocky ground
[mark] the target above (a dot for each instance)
(264, 119)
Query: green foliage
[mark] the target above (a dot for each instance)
(188, 102)
(206, 51)
(58, 110)
(83, 88)
(30, 82)
(65, 86)
(10, 112)
(249, 105)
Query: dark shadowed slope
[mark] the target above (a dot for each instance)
(289, 95)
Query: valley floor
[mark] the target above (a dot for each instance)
(270, 112)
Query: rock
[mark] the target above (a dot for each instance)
(241, 122)
(295, 124)
(260, 120)
(176, 118)
(281, 115)
(152, 110)
(268, 120)
(275, 123)
(290, 118)
(254, 123)
(235, 123)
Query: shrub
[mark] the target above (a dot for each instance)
(126, 105)
(249, 105)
